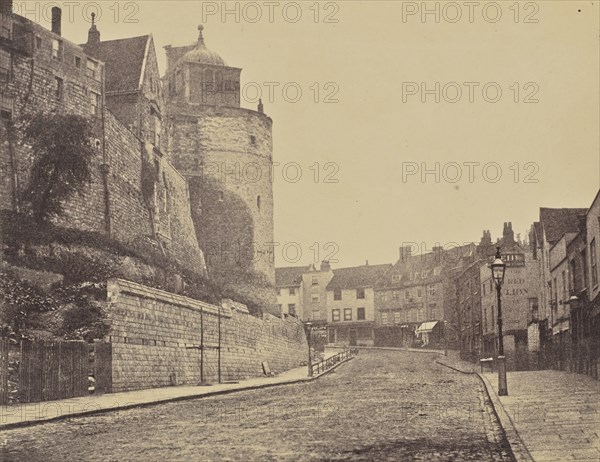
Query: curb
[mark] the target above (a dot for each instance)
(124, 407)
(518, 449)
(409, 350)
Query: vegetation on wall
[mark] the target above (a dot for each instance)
(62, 156)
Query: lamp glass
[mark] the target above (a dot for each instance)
(498, 269)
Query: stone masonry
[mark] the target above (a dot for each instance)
(156, 337)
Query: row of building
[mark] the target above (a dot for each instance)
(447, 298)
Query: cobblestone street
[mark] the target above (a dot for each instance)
(382, 405)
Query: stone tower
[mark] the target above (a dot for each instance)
(225, 152)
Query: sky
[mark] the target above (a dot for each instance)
(515, 126)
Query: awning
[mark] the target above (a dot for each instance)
(426, 327)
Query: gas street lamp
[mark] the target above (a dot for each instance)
(498, 269)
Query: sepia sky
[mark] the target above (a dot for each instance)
(373, 61)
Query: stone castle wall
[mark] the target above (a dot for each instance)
(156, 337)
(226, 154)
(115, 203)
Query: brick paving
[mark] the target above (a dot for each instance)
(556, 414)
(548, 415)
(382, 405)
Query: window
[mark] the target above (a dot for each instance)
(314, 298)
(292, 291)
(419, 292)
(572, 271)
(92, 69)
(337, 294)
(347, 314)
(58, 88)
(396, 294)
(564, 286)
(221, 196)
(594, 262)
(253, 140)
(38, 43)
(360, 294)
(335, 315)
(384, 318)
(57, 49)
(6, 107)
(258, 202)
(407, 295)
(431, 289)
(77, 62)
(360, 314)
(5, 65)
(95, 99)
(396, 278)
(315, 280)
(397, 317)
(292, 309)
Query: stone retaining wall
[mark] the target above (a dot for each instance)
(156, 338)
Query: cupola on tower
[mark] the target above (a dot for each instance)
(225, 152)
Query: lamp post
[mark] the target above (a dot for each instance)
(309, 335)
(498, 270)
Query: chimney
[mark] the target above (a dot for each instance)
(367, 263)
(508, 236)
(405, 252)
(261, 108)
(93, 37)
(325, 266)
(56, 20)
(6, 6)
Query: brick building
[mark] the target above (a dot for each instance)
(416, 295)
(290, 291)
(550, 239)
(351, 304)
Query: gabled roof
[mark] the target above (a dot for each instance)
(557, 222)
(290, 276)
(124, 60)
(358, 276)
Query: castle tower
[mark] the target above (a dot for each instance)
(225, 152)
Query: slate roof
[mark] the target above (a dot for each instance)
(557, 222)
(290, 276)
(358, 276)
(124, 60)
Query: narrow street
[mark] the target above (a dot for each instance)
(382, 405)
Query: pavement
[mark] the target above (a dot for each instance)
(548, 415)
(21, 415)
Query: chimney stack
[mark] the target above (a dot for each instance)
(325, 266)
(508, 236)
(6, 6)
(405, 252)
(56, 20)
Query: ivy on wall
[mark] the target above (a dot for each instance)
(62, 157)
